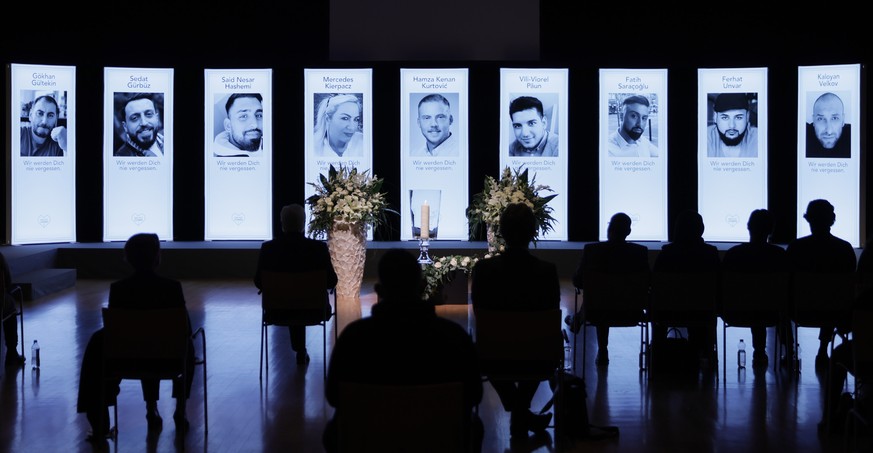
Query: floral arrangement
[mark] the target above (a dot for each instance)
(346, 196)
(440, 272)
(514, 186)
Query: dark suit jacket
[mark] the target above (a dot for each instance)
(515, 280)
(294, 252)
(821, 252)
(146, 290)
(611, 256)
(404, 343)
(755, 257)
(696, 256)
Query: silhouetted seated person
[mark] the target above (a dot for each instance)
(757, 256)
(518, 281)
(294, 252)
(143, 290)
(403, 342)
(689, 253)
(616, 255)
(834, 414)
(821, 252)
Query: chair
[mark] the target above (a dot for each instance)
(151, 344)
(820, 300)
(750, 299)
(615, 300)
(684, 299)
(294, 299)
(519, 345)
(394, 418)
(862, 349)
(506, 336)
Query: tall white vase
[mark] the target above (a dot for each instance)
(495, 242)
(347, 245)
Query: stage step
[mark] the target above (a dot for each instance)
(41, 282)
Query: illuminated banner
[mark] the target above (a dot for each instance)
(434, 152)
(731, 149)
(339, 121)
(238, 154)
(633, 150)
(829, 144)
(533, 132)
(41, 189)
(137, 153)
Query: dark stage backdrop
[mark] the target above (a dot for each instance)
(290, 36)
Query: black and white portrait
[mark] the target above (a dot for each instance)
(138, 125)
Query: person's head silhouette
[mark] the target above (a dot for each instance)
(820, 215)
(293, 218)
(619, 227)
(689, 227)
(760, 225)
(518, 225)
(142, 251)
(399, 277)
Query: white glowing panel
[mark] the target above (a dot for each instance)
(137, 152)
(534, 136)
(633, 150)
(829, 145)
(337, 139)
(41, 189)
(434, 157)
(238, 154)
(731, 149)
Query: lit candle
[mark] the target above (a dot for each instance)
(425, 220)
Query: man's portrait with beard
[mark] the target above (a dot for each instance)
(139, 125)
(828, 134)
(240, 119)
(43, 133)
(733, 130)
(634, 126)
(434, 118)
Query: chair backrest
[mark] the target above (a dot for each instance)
(294, 290)
(398, 418)
(822, 298)
(684, 291)
(754, 291)
(862, 335)
(134, 338)
(519, 335)
(613, 291)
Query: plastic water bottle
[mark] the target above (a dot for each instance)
(34, 354)
(798, 356)
(741, 354)
(568, 352)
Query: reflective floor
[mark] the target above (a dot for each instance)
(748, 411)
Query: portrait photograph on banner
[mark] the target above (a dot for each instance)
(137, 152)
(633, 151)
(338, 122)
(238, 154)
(533, 133)
(41, 190)
(731, 149)
(434, 153)
(829, 145)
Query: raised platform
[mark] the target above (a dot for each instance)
(45, 268)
